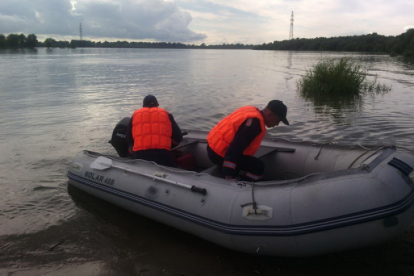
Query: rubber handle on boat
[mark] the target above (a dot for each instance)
(198, 190)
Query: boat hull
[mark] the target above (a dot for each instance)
(368, 203)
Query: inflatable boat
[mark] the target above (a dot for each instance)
(313, 199)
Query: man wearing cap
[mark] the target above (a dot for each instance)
(235, 139)
(154, 132)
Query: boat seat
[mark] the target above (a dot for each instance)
(263, 151)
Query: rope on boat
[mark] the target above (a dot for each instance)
(405, 148)
(253, 200)
(361, 146)
(376, 150)
(316, 157)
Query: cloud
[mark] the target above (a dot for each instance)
(208, 21)
(122, 19)
(229, 21)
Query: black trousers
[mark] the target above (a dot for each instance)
(252, 166)
(159, 156)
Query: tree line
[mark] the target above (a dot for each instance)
(18, 41)
(402, 44)
(169, 45)
(13, 41)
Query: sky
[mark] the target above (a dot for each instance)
(203, 21)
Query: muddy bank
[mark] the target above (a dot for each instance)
(105, 240)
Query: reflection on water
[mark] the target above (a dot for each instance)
(18, 51)
(408, 63)
(334, 104)
(289, 59)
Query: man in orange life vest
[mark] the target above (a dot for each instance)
(154, 132)
(235, 139)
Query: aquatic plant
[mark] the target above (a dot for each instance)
(337, 86)
(339, 78)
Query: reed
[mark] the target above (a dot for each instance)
(339, 78)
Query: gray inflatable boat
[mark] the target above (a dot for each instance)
(314, 198)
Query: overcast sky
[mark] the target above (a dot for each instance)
(208, 21)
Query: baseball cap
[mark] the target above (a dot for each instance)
(150, 101)
(280, 109)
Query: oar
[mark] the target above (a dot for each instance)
(102, 163)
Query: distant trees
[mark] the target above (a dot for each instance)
(31, 41)
(402, 44)
(2, 41)
(373, 43)
(49, 42)
(15, 41)
(18, 41)
(163, 45)
(21, 41)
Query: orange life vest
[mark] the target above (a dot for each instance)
(151, 129)
(221, 136)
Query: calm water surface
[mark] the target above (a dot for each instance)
(55, 103)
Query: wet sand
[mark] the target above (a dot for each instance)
(107, 240)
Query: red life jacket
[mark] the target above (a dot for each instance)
(222, 134)
(151, 129)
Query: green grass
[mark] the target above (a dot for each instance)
(342, 79)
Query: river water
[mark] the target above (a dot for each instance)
(57, 102)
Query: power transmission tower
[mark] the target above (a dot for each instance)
(291, 27)
(80, 31)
